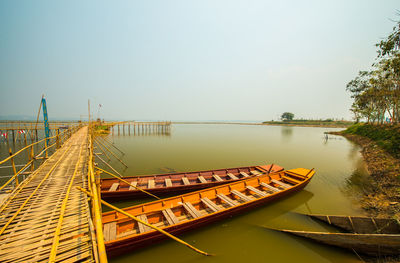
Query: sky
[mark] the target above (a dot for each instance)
(187, 60)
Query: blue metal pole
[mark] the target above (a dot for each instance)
(46, 121)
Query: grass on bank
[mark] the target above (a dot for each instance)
(386, 136)
(102, 129)
(326, 122)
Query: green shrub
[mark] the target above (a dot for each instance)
(386, 136)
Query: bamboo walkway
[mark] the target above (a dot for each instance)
(46, 218)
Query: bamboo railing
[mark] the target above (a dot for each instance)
(55, 142)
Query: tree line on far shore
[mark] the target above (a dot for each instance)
(376, 93)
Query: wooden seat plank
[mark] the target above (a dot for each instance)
(281, 183)
(227, 200)
(291, 180)
(244, 174)
(254, 172)
(185, 181)
(273, 189)
(150, 183)
(168, 182)
(143, 228)
(113, 187)
(210, 204)
(131, 187)
(191, 209)
(255, 190)
(217, 178)
(110, 231)
(170, 216)
(233, 177)
(241, 195)
(202, 179)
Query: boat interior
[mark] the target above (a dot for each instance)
(190, 178)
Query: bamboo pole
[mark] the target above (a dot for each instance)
(56, 239)
(119, 178)
(9, 180)
(101, 149)
(32, 158)
(147, 224)
(96, 206)
(112, 153)
(58, 138)
(101, 159)
(13, 166)
(109, 143)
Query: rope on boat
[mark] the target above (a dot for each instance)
(119, 178)
(147, 224)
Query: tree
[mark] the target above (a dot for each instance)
(287, 116)
(376, 93)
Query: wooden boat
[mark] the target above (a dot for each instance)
(178, 183)
(367, 235)
(190, 211)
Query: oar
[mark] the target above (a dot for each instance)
(147, 224)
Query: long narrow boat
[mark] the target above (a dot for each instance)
(189, 211)
(178, 183)
(367, 235)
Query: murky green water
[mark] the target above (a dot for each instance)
(246, 238)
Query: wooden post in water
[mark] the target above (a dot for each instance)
(45, 146)
(118, 129)
(58, 139)
(123, 128)
(13, 166)
(13, 135)
(31, 158)
(129, 128)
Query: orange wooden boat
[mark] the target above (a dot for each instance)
(178, 183)
(190, 211)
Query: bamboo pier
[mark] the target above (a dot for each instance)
(44, 215)
(138, 128)
(46, 205)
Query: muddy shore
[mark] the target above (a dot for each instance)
(381, 198)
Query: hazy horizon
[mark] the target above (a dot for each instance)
(187, 60)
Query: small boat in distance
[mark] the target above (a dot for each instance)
(190, 211)
(367, 235)
(178, 183)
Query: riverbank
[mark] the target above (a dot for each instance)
(381, 197)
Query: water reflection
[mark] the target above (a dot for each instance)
(286, 132)
(359, 182)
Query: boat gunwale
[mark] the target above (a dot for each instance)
(184, 173)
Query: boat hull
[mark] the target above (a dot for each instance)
(370, 244)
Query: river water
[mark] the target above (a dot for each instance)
(248, 237)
